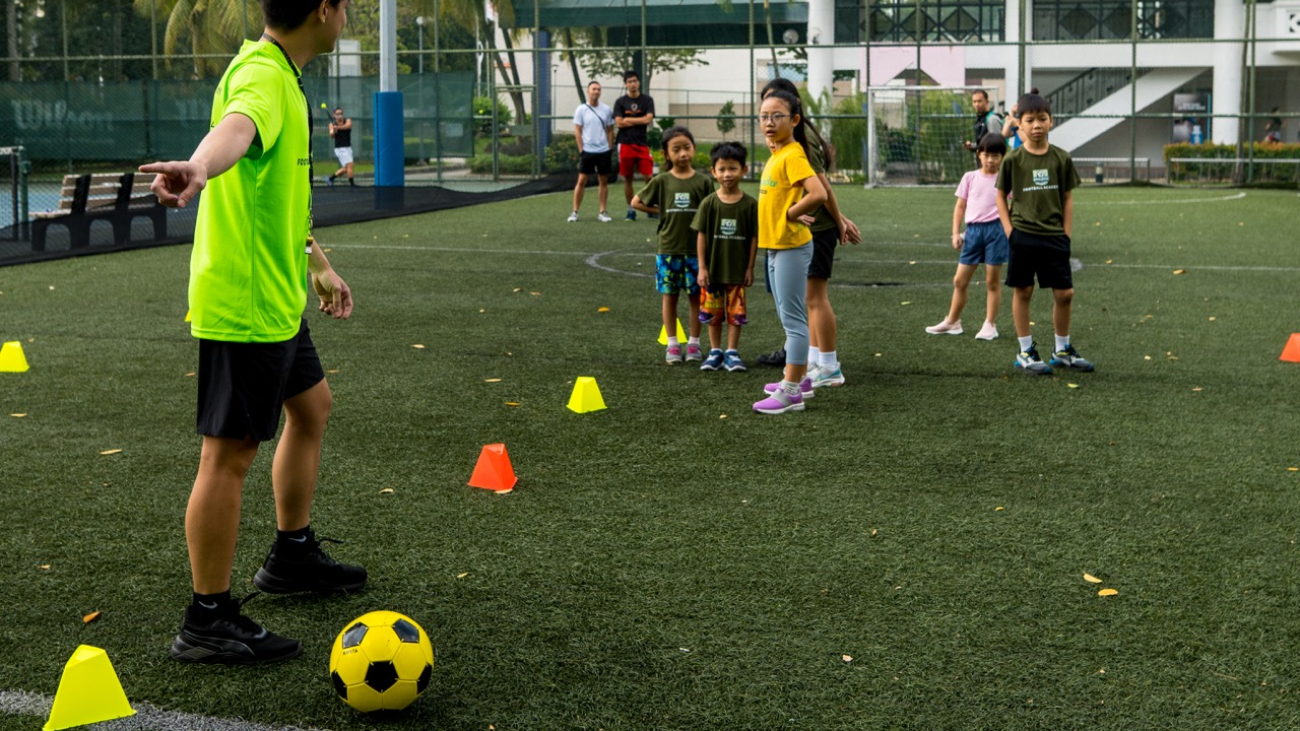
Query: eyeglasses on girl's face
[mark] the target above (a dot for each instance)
(773, 118)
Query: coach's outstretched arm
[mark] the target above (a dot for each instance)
(177, 182)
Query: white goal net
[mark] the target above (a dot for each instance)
(915, 134)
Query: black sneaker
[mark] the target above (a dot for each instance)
(776, 358)
(231, 639)
(306, 568)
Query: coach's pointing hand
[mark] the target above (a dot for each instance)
(176, 183)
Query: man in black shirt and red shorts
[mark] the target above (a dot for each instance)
(633, 113)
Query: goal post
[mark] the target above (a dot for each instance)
(915, 134)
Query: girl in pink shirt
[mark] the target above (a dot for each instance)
(984, 241)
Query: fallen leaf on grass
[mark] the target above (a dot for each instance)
(491, 380)
(1072, 385)
(1212, 319)
(846, 658)
(1146, 357)
(90, 618)
(904, 304)
(518, 289)
(1108, 592)
(1198, 389)
(1091, 579)
(418, 346)
(603, 309)
(1110, 261)
(44, 567)
(535, 294)
(1180, 271)
(191, 374)
(107, 452)
(327, 250)
(462, 575)
(481, 311)
(18, 416)
(1293, 469)
(998, 508)
(722, 416)
(332, 370)
(512, 403)
(911, 263)
(386, 491)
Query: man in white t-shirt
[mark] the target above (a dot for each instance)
(593, 126)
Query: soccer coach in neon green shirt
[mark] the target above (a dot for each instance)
(253, 253)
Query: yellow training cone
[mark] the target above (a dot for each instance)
(663, 333)
(187, 315)
(586, 396)
(88, 693)
(12, 359)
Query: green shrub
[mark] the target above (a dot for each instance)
(510, 164)
(701, 161)
(1233, 172)
(562, 154)
(849, 133)
(483, 116)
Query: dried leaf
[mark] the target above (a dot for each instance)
(998, 508)
(327, 250)
(110, 451)
(535, 294)
(1212, 318)
(386, 491)
(904, 304)
(1180, 271)
(846, 658)
(18, 416)
(603, 309)
(191, 374)
(1293, 469)
(1091, 579)
(481, 310)
(1110, 261)
(44, 567)
(332, 370)
(873, 531)
(722, 416)
(491, 380)
(1108, 592)
(418, 346)
(911, 263)
(1072, 385)
(90, 618)
(462, 575)
(512, 403)
(1198, 389)
(1146, 357)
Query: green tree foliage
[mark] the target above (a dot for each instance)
(205, 33)
(727, 118)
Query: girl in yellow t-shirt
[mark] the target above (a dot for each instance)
(789, 193)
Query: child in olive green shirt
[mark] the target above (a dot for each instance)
(727, 242)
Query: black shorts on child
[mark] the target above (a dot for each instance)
(243, 386)
(1048, 257)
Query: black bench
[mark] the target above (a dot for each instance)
(117, 197)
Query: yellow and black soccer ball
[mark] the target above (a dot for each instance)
(381, 661)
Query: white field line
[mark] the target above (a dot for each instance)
(146, 718)
(1233, 197)
(593, 259)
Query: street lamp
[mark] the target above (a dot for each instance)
(419, 21)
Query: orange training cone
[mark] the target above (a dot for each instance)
(1291, 353)
(493, 471)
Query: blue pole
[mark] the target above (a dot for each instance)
(390, 167)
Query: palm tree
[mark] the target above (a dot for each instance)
(206, 27)
(472, 16)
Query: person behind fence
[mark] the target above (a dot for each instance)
(1039, 178)
(247, 293)
(727, 243)
(341, 133)
(1273, 129)
(1010, 130)
(788, 195)
(983, 242)
(986, 118)
(675, 195)
(593, 126)
(633, 113)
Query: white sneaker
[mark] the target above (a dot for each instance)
(573, 217)
(946, 328)
(988, 332)
(603, 217)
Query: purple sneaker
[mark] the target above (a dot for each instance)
(693, 353)
(779, 403)
(805, 388)
(673, 355)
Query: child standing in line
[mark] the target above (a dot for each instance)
(985, 243)
(727, 223)
(677, 194)
(789, 193)
(1040, 177)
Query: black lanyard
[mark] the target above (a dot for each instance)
(311, 158)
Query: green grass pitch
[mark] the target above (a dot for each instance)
(906, 554)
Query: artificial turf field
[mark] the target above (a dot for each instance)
(906, 554)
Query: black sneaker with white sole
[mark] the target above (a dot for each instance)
(232, 639)
(289, 569)
(774, 359)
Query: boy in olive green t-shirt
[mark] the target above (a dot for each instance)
(1039, 178)
(727, 243)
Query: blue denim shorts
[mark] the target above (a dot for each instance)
(986, 243)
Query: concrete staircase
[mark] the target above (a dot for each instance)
(1151, 88)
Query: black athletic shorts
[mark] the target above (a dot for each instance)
(1048, 257)
(243, 386)
(595, 162)
(823, 258)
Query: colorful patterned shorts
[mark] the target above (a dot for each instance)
(724, 300)
(675, 274)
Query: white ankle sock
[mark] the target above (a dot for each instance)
(829, 361)
(1062, 342)
(672, 341)
(814, 354)
(1026, 343)
(693, 341)
(790, 387)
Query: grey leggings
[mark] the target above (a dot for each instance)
(787, 272)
